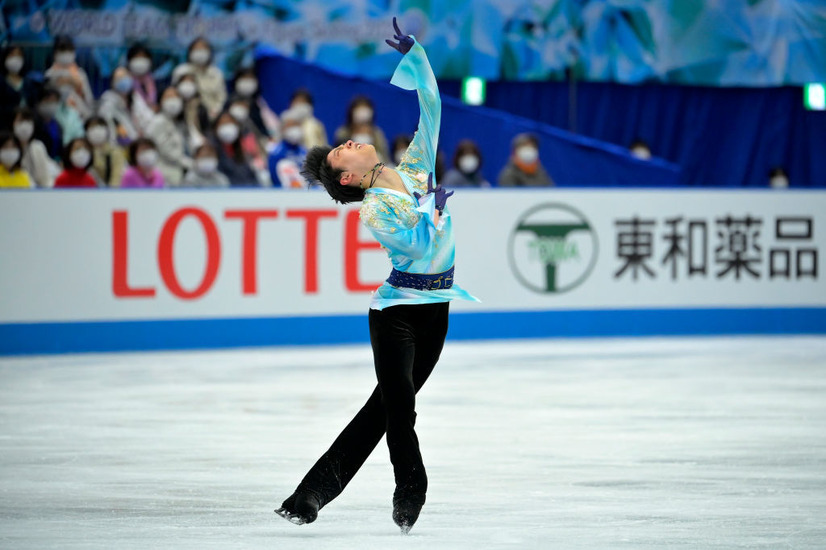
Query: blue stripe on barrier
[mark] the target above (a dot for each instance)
(104, 336)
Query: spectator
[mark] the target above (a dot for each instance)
(47, 129)
(266, 122)
(314, 132)
(78, 159)
(167, 131)
(467, 167)
(210, 79)
(640, 150)
(778, 179)
(11, 171)
(205, 172)
(36, 162)
(361, 127)
(142, 171)
(125, 112)
(286, 159)
(255, 143)
(195, 114)
(16, 88)
(69, 78)
(400, 144)
(524, 168)
(232, 161)
(139, 63)
(108, 159)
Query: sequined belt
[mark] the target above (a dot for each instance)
(421, 281)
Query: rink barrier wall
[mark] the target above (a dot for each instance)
(50, 338)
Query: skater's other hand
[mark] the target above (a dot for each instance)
(440, 196)
(405, 42)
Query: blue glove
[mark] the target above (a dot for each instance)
(440, 196)
(405, 42)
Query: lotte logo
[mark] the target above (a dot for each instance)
(553, 248)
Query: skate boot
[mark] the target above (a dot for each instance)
(406, 511)
(299, 508)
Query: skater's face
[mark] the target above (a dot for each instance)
(354, 159)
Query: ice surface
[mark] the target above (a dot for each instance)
(649, 443)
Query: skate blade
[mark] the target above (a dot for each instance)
(292, 518)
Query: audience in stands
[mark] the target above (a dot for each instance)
(142, 171)
(232, 160)
(361, 127)
(195, 114)
(36, 161)
(16, 88)
(524, 168)
(12, 174)
(108, 159)
(167, 130)
(265, 121)
(315, 134)
(287, 158)
(47, 128)
(77, 159)
(204, 172)
(70, 79)
(139, 63)
(467, 167)
(125, 112)
(211, 83)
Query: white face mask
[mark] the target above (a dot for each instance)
(206, 165)
(97, 134)
(140, 65)
(9, 157)
(80, 158)
(187, 89)
(293, 134)
(779, 182)
(363, 138)
(14, 63)
(24, 130)
(641, 153)
(362, 114)
(172, 106)
(47, 110)
(246, 86)
(227, 133)
(148, 158)
(302, 110)
(527, 154)
(64, 58)
(239, 113)
(468, 163)
(199, 56)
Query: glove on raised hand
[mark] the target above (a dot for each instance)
(404, 42)
(440, 196)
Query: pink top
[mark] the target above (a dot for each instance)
(133, 177)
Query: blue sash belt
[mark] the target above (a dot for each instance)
(421, 281)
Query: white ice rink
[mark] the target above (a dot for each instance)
(649, 443)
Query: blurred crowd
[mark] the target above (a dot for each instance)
(203, 128)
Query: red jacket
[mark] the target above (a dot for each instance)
(74, 177)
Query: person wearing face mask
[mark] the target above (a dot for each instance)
(204, 172)
(125, 112)
(286, 158)
(361, 127)
(196, 117)
(78, 159)
(15, 86)
(142, 172)
(255, 143)
(524, 168)
(210, 79)
(36, 161)
(232, 161)
(265, 121)
(315, 134)
(139, 63)
(167, 131)
(46, 128)
(108, 159)
(467, 167)
(70, 78)
(12, 174)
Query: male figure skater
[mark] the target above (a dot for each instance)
(408, 314)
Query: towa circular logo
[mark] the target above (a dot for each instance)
(553, 248)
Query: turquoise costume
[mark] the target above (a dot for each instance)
(404, 226)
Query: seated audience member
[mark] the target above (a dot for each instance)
(255, 144)
(125, 112)
(142, 171)
(467, 167)
(139, 63)
(315, 134)
(361, 127)
(400, 145)
(15, 87)
(12, 174)
(524, 168)
(265, 121)
(640, 150)
(46, 127)
(108, 159)
(69, 78)
(204, 172)
(167, 131)
(778, 179)
(77, 160)
(232, 161)
(195, 114)
(286, 158)
(211, 83)
(36, 161)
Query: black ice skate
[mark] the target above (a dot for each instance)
(299, 508)
(406, 512)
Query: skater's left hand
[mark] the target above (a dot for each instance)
(405, 42)
(440, 196)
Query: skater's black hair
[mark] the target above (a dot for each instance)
(317, 170)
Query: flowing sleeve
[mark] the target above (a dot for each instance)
(414, 73)
(399, 226)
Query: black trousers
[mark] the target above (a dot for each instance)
(407, 341)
